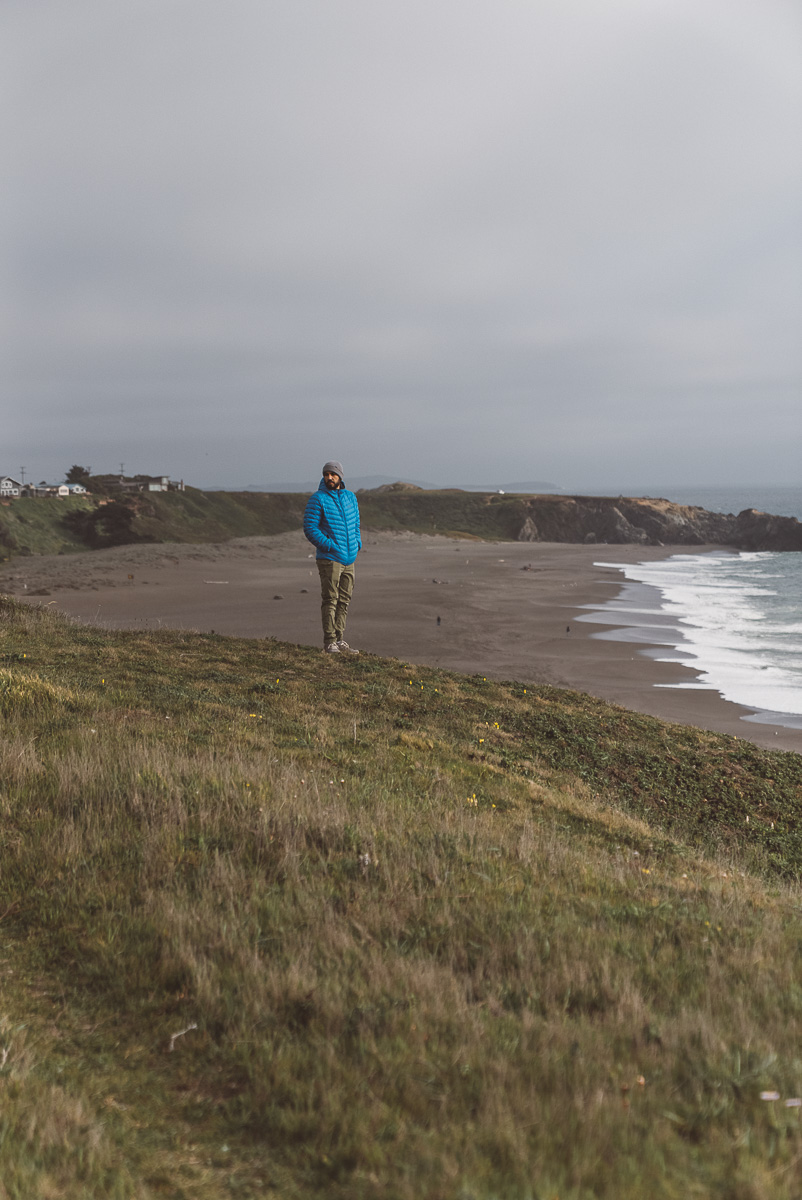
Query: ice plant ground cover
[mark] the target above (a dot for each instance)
(280, 926)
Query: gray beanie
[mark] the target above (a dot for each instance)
(336, 467)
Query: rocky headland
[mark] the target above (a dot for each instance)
(622, 520)
(617, 520)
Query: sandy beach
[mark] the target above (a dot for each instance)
(507, 610)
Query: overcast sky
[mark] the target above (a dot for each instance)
(452, 240)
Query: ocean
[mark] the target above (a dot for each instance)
(735, 618)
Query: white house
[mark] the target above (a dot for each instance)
(150, 483)
(9, 486)
(163, 483)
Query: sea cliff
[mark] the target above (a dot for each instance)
(653, 523)
(578, 519)
(47, 526)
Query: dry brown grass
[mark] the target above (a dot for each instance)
(277, 926)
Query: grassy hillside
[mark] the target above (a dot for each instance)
(37, 526)
(53, 526)
(281, 926)
(47, 526)
(194, 516)
(474, 514)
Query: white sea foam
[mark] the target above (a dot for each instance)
(736, 618)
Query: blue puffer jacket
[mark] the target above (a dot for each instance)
(331, 522)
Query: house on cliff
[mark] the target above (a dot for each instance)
(146, 483)
(9, 487)
(59, 490)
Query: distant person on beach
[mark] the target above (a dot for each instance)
(331, 523)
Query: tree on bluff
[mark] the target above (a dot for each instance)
(78, 474)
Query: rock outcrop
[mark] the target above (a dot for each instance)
(761, 531)
(621, 520)
(589, 520)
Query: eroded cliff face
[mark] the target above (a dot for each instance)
(556, 518)
(620, 520)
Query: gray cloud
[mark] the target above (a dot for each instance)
(441, 240)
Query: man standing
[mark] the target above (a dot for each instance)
(331, 523)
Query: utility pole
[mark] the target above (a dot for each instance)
(22, 475)
(122, 469)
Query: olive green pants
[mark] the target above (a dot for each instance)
(336, 588)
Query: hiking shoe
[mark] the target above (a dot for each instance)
(346, 649)
(332, 648)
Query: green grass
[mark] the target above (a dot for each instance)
(36, 525)
(194, 516)
(280, 926)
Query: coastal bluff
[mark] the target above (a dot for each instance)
(32, 526)
(618, 520)
(654, 523)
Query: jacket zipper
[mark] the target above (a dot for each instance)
(345, 523)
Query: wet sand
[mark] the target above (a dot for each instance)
(507, 610)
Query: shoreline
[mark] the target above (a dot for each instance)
(508, 610)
